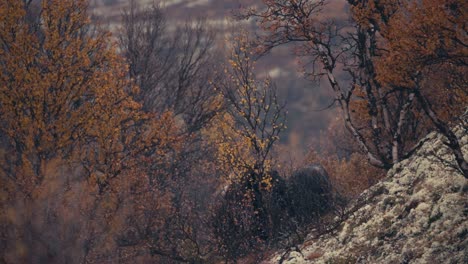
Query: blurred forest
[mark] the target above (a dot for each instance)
(131, 132)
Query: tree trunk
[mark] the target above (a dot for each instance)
(401, 121)
(445, 130)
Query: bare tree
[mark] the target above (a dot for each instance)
(381, 115)
(171, 68)
(243, 219)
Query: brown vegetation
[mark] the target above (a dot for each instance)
(153, 149)
(387, 107)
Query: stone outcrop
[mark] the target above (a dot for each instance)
(417, 214)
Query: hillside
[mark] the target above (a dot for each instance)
(417, 214)
(158, 141)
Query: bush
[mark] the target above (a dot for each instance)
(350, 175)
(249, 217)
(237, 225)
(247, 220)
(309, 193)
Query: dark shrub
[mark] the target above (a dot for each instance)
(277, 204)
(250, 216)
(232, 224)
(310, 193)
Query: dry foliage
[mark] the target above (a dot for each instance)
(75, 145)
(391, 52)
(251, 125)
(348, 169)
(149, 153)
(349, 176)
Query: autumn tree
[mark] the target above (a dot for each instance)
(427, 55)
(250, 127)
(69, 129)
(253, 105)
(386, 117)
(61, 87)
(172, 68)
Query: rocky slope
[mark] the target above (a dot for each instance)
(417, 214)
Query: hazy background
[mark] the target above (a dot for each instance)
(305, 99)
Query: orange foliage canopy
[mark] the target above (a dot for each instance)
(73, 142)
(64, 92)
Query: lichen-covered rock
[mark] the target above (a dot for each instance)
(417, 214)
